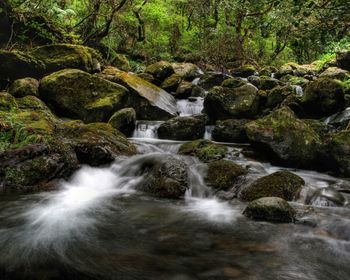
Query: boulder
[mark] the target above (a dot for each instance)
(233, 83)
(231, 131)
(165, 177)
(283, 184)
(227, 103)
(211, 79)
(171, 83)
(187, 71)
(263, 82)
(244, 71)
(294, 80)
(61, 56)
(224, 174)
(268, 71)
(124, 120)
(285, 138)
(323, 98)
(160, 71)
(149, 101)
(147, 77)
(23, 87)
(205, 150)
(336, 73)
(17, 65)
(121, 62)
(182, 128)
(73, 93)
(184, 90)
(343, 59)
(339, 150)
(272, 209)
(277, 95)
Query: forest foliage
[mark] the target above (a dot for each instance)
(213, 31)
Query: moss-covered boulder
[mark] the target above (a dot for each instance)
(283, 137)
(96, 143)
(277, 95)
(124, 120)
(294, 80)
(182, 128)
(233, 83)
(244, 71)
(61, 56)
(323, 97)
(187, 71)
(281, 184)
(184, 90)
(23, 87)
(273, 209)
(17, 65)
(121, 62)
(149, 101)
(224, 174)
(160, 71)
(268, 71)
(231, 131)
(211, 79)
(227, 103)
(76, 94)
(165, 177)
(336, 73)
(205, 150)
(171, 83)
(339, 150)
(147, 77)
(263, 82)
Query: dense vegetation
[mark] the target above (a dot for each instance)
(266, 32)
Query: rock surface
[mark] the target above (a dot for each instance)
(205, 150)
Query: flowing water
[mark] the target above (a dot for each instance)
(97, 225)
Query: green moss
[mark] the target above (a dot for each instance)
(205, 150)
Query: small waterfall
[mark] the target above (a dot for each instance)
(146, 129)
(190, 107)
(208, 132)
(299, 91)
(195, 82)
(338, 118)
(273, 75)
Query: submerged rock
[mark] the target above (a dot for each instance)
(205, 150)
(76, 94)
(281, 184)
(326, 197)
(226, 103)
(224, 174)
(282, 136)
(273, 209)
(124, 120)
(23, 87)
(149, 101)
(182, 128)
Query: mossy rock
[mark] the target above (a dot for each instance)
(171, 83)
(268, 71)
(273, 209)
(76, 94)
(205, 150)
(336, 73)
(277, 95)
(231, 131)
(339, 149)
(187, 71)
(343, 59)
(23, 87)
(17, 65)
(184, 90)
(283, 184)
(147, 77)
(121, 62)
(224, 174)
(263, 82)
(182, 128)
(323, 98)
(61, 56)
(124, 120)
(282, 136)
(244, 71)
(149, 101)
(212, 79)
(294, 80)
(226, 103)
(7, 102)
(233, 83)
(160, 71)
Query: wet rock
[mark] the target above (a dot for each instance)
(184, 90)
(61, 56)
(205, 150)
(182, 128)
(147, 77)
(336, 73)
(281, 184)
(165, 177)
(243, 71)
(268, 71)
(294, 80)
(171, 83)
(121, 62)
(76, 94)
(226, 103)
(160, 71)
(326, 197)
(231, 131)
(17, 65)
(263, 82)
(343, 60)
(24, 87)
(285, 138)
(149, 101)
(124, 120)
(340, 120)
(273, 209)
(339, 150)
(187, 71)
(224, 174)
(211, 79)
(233, 83)
(323, 97)
(277, 95)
